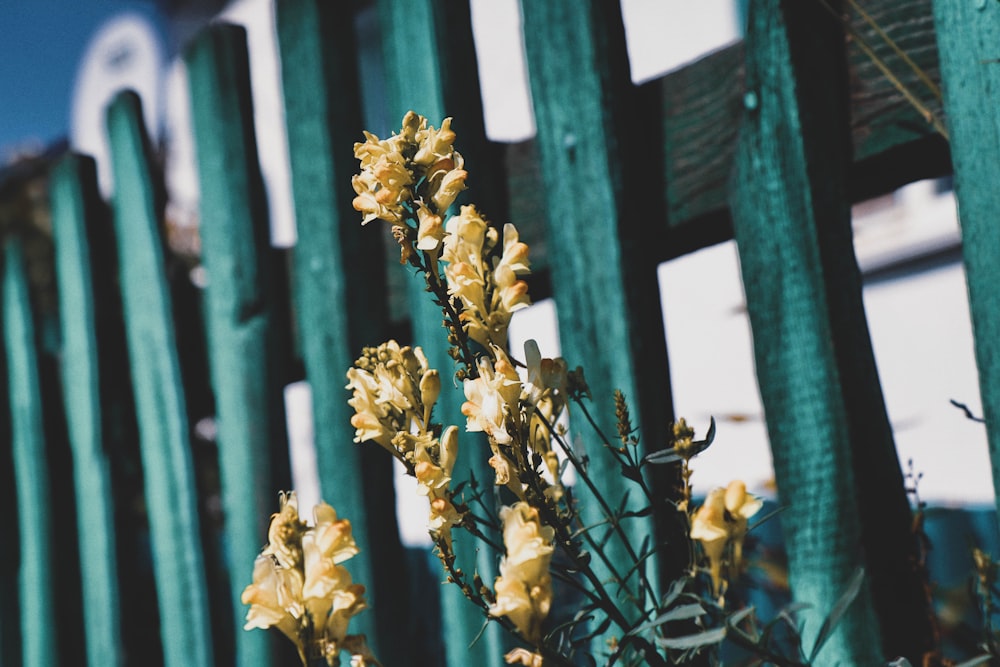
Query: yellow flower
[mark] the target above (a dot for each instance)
(708, 526)
(394, 394)
(721, 522)
(299, 586)
(433, 464)
(491, 397)
(272, 594)
(490, 293)
(521, 656)
(446, 188)
(740, 506)
(524, 587)
(430, 230)
(512, 292)
(435, 145)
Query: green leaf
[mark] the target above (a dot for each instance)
(679, 613)
(676, 588)
(706, 638)
(978, 660)
(702, 445)
(837, 612)
(662, 456)
(736, 618)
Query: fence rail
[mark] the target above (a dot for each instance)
(768, 141)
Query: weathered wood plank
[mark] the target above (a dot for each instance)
(76, 210)
(10, 613)
(171, 496)
(830, 437)
(602, 251)
(968, 34)
(430, 67)
(893, 144)
(340, 300)
(702, 102)
(38, 598)
(240, 317)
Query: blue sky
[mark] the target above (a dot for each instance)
(41, 44)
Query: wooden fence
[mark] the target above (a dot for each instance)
(769, 141)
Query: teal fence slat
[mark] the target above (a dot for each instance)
(171, 496)
(834, 458)
(240, 315)
(598, 213)
(967, 36)
(10, 616)
(339, 273)
(430, 67)
(75, 206)
(40, 646)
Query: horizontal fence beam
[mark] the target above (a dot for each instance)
(702, 102)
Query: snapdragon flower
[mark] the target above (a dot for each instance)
(300, 587)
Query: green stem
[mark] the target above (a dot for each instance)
(605, 509)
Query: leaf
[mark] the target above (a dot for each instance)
(706, 638)
(662, 456)
(837, 612)
(679, 613)
(631, 472)
(676, 588)
(569, 625)
(631, 514)
(702, 445)
(736, 618)
(599, 630)
(978, 660)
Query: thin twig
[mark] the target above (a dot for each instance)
(921, 74)
(921, 108)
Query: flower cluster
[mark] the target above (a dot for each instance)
(524, 587)
(720, 525)
(517, 417)
(489, 286)
(300, 587)
(394, 392)
(410, 180)
(415, 173)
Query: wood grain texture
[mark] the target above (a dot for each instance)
(171, 496)
(240, 318)
(602, 248)
(701, 105)
(968, 34)
(430, 67)
(788, 202)
(76, 213)
(33, 479)
(340, 301)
